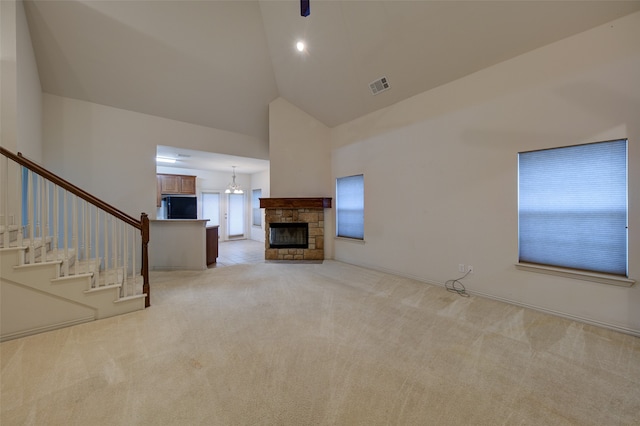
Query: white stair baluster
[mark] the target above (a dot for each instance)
(5, 201)
(125, 258)
(31, 218)
(56, 217)
(95, 245)
(114, 259)
(47, 208)
(74, 233)
(42, 210)
(134, 266)
(105, 237)
(65, 217)
(19, 212)
(77, 267)
(87, 235)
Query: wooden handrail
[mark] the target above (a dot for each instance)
(142, 224)
(20, 159)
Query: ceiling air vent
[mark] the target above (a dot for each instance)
(379, 85)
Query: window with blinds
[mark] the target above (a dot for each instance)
(350, 207)
(256, 213)
(572, 207)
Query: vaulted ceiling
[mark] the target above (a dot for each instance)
(220, 63)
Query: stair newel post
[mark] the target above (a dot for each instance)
(144, 221)
(134, 250)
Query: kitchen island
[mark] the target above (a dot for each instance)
(178, 244)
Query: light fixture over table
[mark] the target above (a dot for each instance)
(233, 187)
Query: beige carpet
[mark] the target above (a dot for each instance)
(329, 344)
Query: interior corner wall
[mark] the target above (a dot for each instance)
(440, 170)
(111, 152)
(299, 153)
(20, 92)
(8, 75)
(29, 92)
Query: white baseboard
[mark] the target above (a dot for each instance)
(51, 327)
(615, 327)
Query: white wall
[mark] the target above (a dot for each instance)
(8, 77)
(29, 92)
(20, 93)
(8, 103)
(259, 181)
(110, 152)
(299, 152)
(441, 174)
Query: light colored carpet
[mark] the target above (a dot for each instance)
(329, 344)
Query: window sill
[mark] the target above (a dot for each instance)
(350, 240)
(576, 274)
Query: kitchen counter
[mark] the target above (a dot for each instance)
(177, 244)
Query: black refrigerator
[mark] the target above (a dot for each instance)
(181, 207)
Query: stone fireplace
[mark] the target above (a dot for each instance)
(294, 228)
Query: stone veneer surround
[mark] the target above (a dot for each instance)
(291, 210)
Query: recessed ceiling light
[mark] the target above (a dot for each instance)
(300, 46)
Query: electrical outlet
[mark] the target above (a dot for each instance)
(470, 269)
(461, 268)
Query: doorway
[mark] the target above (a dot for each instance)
(228, 207)
(235, 216)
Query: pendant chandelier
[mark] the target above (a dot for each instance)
(233, 187)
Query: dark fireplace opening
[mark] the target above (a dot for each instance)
(289, 235)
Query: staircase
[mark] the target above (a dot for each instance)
(66, 257)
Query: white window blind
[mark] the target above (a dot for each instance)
(572, 207)
(211, 207)
(350, 207)
(255, 207)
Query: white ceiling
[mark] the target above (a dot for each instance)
(220, 63)
(192, 159)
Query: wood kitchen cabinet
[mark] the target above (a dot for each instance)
(212, 244)
(175, 184)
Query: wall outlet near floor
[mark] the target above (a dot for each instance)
(461, 268)
(470, 269)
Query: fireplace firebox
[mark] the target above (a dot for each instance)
(289, 235)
